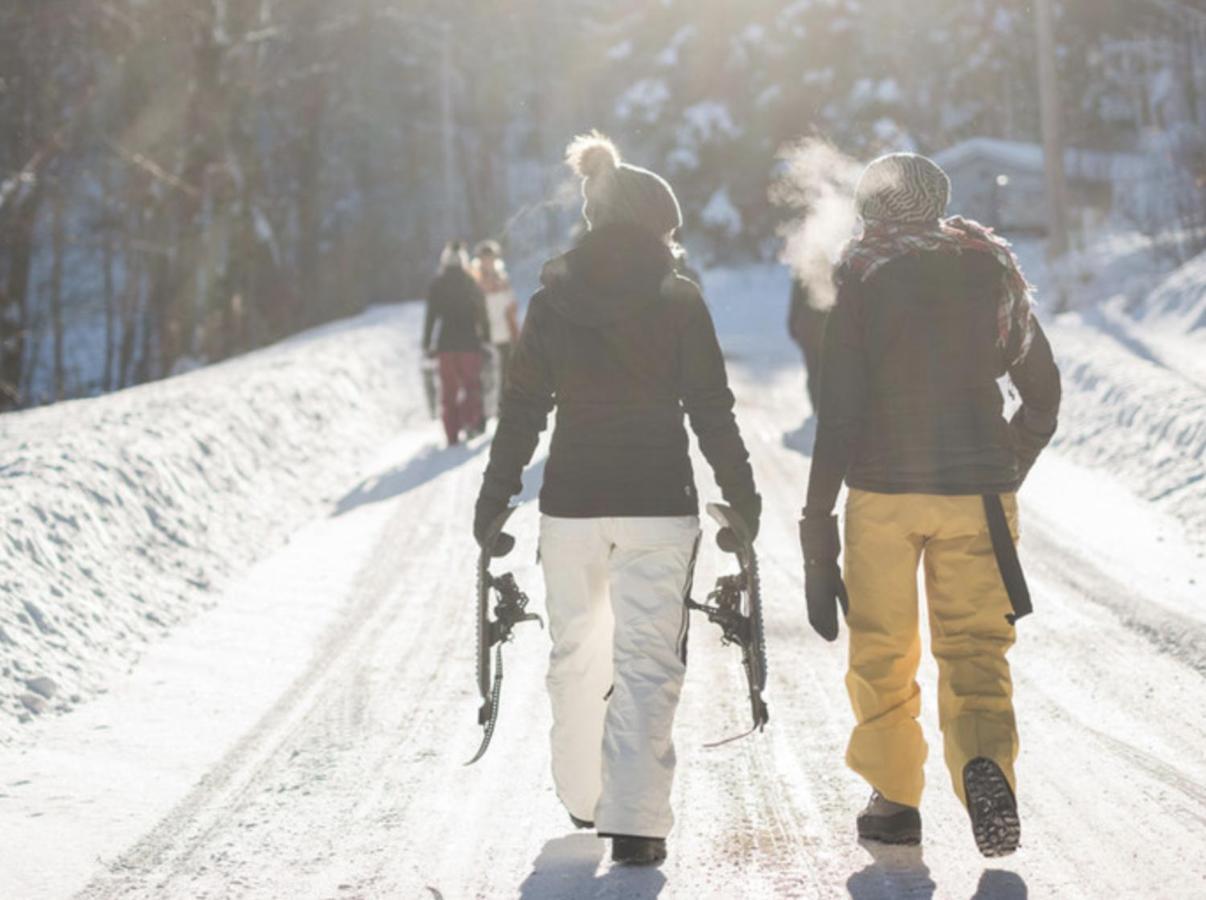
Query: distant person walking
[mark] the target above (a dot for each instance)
(624, 349)
(806, 325)
(502, 310)
(455, 331)
(930, 312)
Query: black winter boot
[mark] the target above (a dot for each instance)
(992, 807)
(888, 822)
(628, 850)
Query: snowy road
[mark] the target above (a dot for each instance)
(305, 738)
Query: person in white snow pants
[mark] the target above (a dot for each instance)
(625, 351)
(618, 620)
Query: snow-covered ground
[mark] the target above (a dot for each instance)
(303, 737)
(1133, 358)
(125, 515)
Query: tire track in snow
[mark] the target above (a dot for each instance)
(1169, 632)
(216, 800)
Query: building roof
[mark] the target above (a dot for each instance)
(1088, 165)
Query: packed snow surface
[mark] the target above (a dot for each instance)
(304, 737)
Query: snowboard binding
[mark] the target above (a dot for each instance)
(736, 606)
(509, 610)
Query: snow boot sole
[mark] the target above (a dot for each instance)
(899, 828)
(627, 850)
(992, 807)
(581, 824)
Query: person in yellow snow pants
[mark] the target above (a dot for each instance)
(887, 537)
(931, 313)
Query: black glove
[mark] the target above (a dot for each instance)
(823, 587)
(750, 512)
(486, 512)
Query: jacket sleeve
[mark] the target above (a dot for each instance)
(481, 314)
(429, 318)
(526, 403)
(843, 405)
(794, 311)
(708, 402)
(1036, 378)
(512, 315)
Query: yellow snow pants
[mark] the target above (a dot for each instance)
(887, 536)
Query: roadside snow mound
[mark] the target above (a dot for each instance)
(123, 513)
(1179, 303)
(1129, 414)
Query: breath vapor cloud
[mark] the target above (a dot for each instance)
(817, 186)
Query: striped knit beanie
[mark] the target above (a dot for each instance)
(616, 192)
(902, 187)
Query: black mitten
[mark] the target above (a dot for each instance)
(484, 516)
(823, 587)
(751, 513)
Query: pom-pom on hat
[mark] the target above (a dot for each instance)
(902, 187)
(615, 192)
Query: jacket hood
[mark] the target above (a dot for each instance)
(613, 274)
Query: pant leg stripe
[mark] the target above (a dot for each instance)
(685, 628)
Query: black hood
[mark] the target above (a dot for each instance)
(613, 274)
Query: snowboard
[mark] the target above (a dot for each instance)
(735, 604)
(509, 610)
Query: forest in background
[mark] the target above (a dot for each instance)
(184, 180)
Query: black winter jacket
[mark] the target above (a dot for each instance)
(909, 395)
(622, 347)
(456, 305)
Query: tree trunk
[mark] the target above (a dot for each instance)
(58, 242)
(14, 309)
(131, 288)
(107, 275)
(309, 200)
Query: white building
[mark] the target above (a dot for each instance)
(1002, 183)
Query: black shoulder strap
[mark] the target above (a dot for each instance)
(1007, 558)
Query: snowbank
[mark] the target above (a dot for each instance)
(1179, 303)
(1129, 413)
(122, 514)
(1134, 369)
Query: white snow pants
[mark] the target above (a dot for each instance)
(618, 620)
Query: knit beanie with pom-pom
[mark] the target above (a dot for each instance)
(615, 192)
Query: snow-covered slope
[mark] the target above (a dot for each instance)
(122, 515)
(1178, 304)
(1133, 416)
(1134, 370)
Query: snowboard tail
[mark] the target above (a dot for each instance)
(509, 610)
(736, 606)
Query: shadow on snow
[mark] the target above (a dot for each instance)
(566, 867)
(900, 873)
(802, 439)
(425, 466)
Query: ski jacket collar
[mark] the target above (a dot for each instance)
(613, 275)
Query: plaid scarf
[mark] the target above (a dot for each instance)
(883, 241)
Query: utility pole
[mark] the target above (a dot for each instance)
(1053, 143)
(448, 139)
